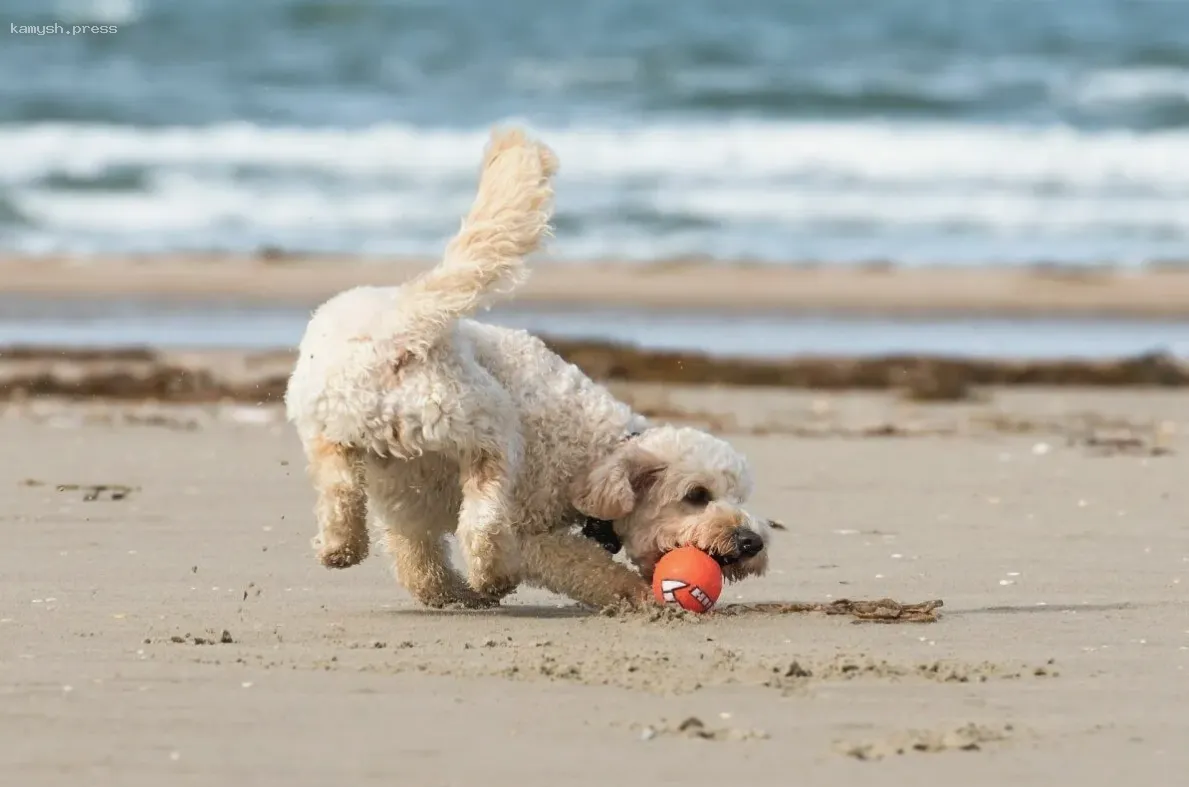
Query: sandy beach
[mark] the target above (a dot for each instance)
(164, 621)
(1153, 293)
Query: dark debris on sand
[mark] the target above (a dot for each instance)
(195, 377)
(883, 610)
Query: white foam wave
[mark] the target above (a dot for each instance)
(101, 11)
(866, 151)
(781, 190)
(558, 76)
(1133, 86)
(994, 209)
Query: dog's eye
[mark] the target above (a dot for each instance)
(698, 496)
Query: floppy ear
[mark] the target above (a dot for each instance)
(609, 489)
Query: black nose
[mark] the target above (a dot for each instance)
(748, 542)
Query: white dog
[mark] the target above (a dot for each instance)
(431, 424)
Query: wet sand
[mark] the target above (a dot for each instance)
(1156, 293)
(163, 620)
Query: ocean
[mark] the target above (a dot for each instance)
(226, 324)
(953, 132)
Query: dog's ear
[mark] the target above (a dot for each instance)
(610, 488)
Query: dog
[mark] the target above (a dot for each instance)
(430, 423)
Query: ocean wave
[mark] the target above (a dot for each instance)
(10, 217)
(766, 190)
(861, 151)
(119, 12)
(557, 76)
(1133, 86)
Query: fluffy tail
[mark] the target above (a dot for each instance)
(507, 221)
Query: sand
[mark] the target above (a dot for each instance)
(1146, 293)
(162, 620)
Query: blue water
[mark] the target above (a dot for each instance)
(130, 322)
(1005, 131)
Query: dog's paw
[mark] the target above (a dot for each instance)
(340, 554)
(493, 594)
(490, 585)
(492, 571)
(637, 601)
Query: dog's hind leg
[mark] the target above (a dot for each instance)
(341, 509)
(421, 560)
(485, 530)
(416, 506)
(464, 415)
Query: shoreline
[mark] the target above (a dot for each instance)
(1157, 293)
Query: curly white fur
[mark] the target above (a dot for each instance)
(434, 424)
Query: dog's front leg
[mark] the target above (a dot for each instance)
(579, 568)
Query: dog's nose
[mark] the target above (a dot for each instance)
(748, 542)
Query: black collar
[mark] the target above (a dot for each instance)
(603, 530)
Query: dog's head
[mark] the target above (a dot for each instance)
(672, 487)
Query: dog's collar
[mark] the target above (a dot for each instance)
(602, 531)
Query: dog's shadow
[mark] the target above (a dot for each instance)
(1042, 609)
(535, 611)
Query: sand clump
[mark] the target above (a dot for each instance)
(968, 737)
(694, 728)
(660, 670)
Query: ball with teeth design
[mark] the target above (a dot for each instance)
(689, 578)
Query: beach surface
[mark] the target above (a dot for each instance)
(164, 620)
(1050, 291)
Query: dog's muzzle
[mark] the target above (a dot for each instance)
(747, 543)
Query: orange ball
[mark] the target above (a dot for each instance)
(689, 578)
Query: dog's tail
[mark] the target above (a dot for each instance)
(507, 221)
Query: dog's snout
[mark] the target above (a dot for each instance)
(748, 542)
